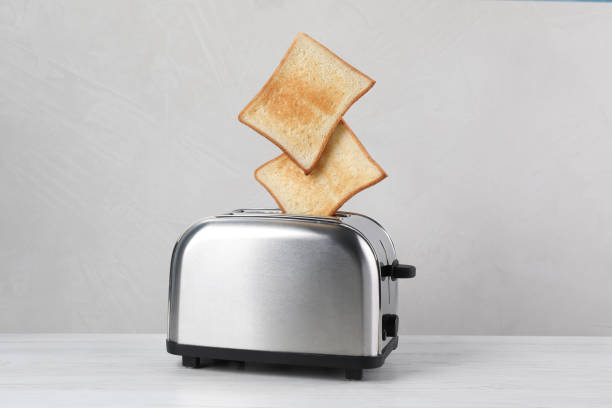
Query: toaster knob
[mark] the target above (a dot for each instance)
(397, 271)
(390, 325)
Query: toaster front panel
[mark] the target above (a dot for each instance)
(277, 285)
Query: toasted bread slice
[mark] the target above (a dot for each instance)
(345, 168)
(304, 99)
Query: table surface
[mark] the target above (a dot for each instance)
(98, 370)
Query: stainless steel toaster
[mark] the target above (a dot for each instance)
(259, 285)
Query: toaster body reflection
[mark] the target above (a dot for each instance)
(258, 285)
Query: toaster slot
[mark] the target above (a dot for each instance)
(278, 214)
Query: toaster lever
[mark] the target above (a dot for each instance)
(398, 271)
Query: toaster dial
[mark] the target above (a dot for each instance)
(390, 325)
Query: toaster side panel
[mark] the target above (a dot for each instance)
(275, 285)
(380, 241)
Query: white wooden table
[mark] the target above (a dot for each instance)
(99, 370)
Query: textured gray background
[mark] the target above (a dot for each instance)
(493, 119)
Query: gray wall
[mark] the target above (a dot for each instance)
(493, 119)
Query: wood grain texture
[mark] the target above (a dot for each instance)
(88, 370)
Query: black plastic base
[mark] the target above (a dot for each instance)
(196, 362)
(201, 356)
(353, 373)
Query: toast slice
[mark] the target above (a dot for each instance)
(345, 168)
(304, 99)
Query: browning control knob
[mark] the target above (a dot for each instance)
(390, 325)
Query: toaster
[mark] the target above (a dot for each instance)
(256, 285)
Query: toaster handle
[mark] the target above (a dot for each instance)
(398, 271)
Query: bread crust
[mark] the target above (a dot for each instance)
(344, 199)
(328, 136)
